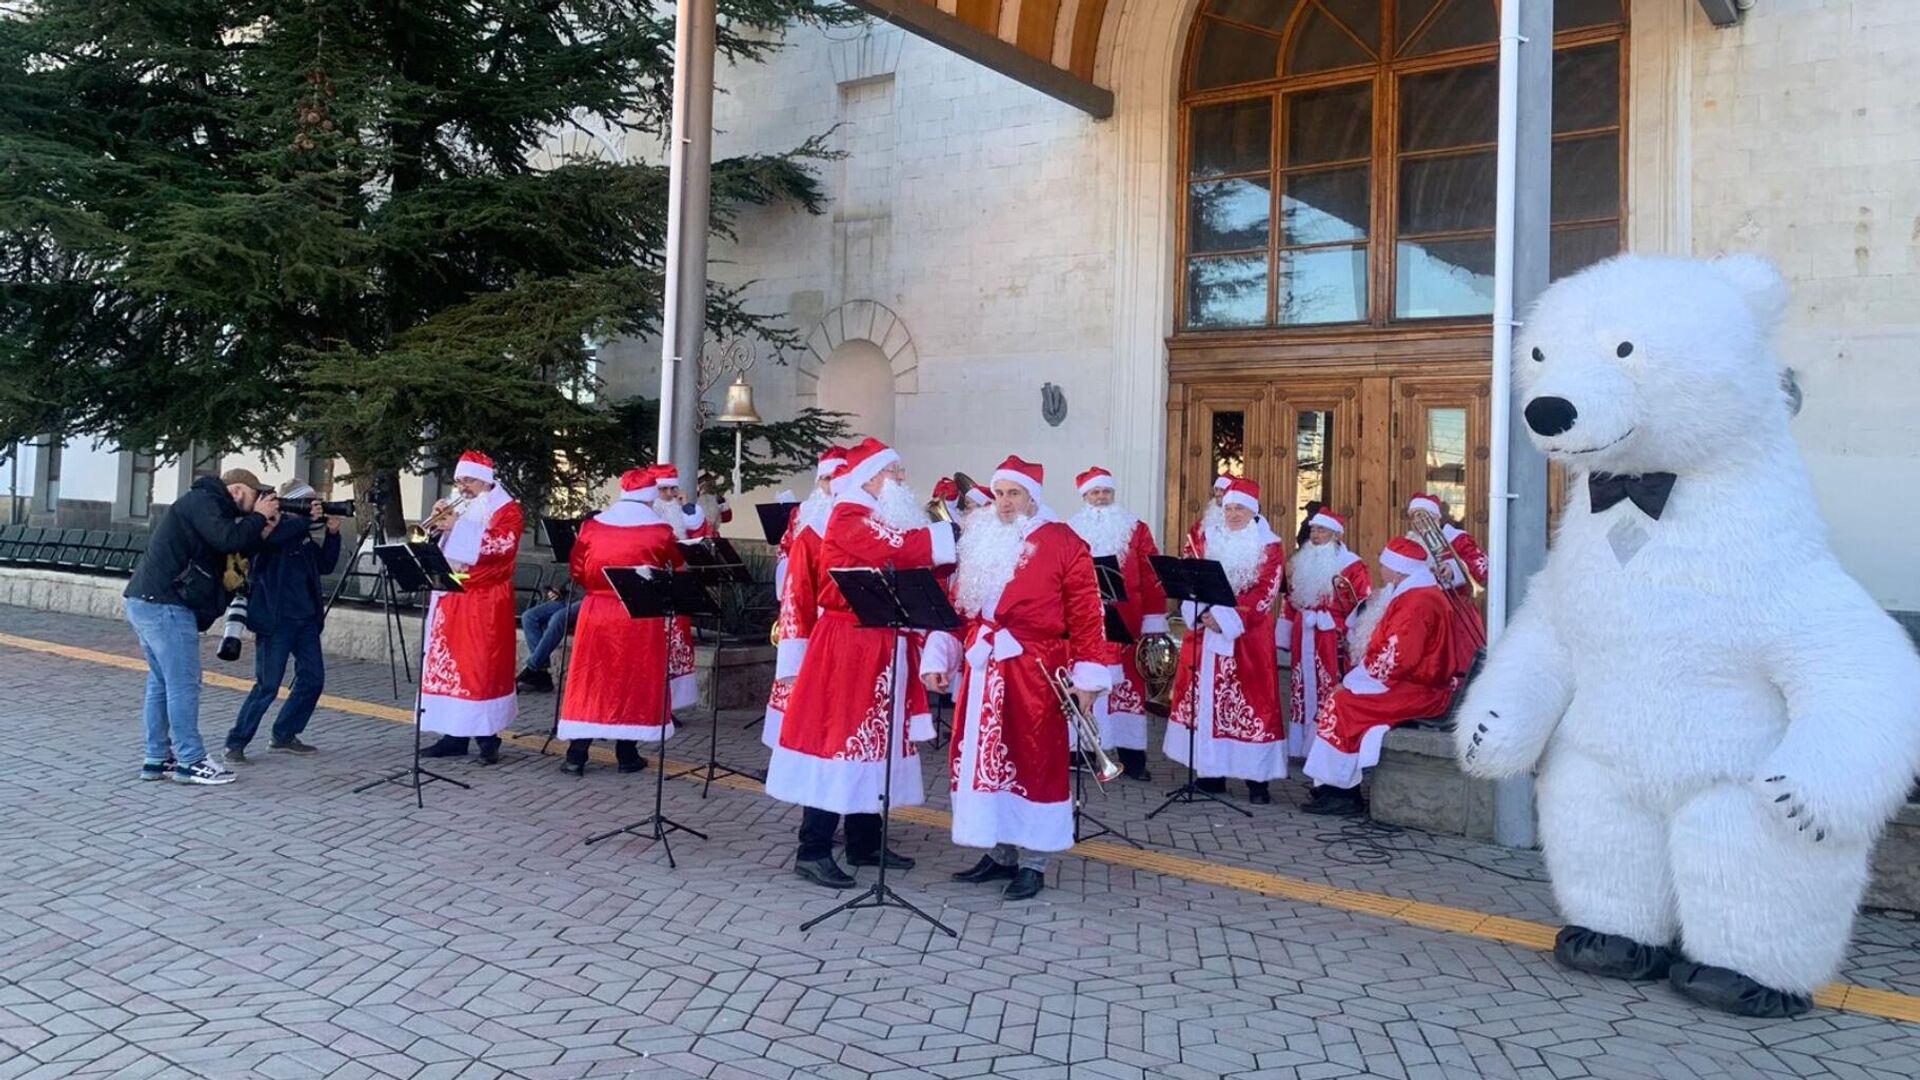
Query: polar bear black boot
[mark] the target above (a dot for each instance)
(1721, 719)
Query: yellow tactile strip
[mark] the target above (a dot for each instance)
(1846, 997)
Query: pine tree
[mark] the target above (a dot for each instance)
(236, 223)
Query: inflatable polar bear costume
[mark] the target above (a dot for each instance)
(1721, 719)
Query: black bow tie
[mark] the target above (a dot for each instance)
(1648, 491)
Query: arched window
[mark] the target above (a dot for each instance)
(1339, 157)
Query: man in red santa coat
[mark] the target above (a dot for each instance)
(1026, 587)
(1227, 689)
(1325, 582)
(682, 519)
(1465, 567)
(1109, 529)
(800, 586)
(616, 688)
(834, 755)
(1406, 674)
(1209, 516)
(466, 678)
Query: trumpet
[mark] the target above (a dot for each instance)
(1085, 731)
(438, 521)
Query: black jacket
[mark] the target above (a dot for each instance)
(283, 584)
(204, 526)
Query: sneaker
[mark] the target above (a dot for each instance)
(293, 746)
(235, 755)
(156, 770)
(203, 771)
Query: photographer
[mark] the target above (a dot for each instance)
(178, 591)
(285, 607)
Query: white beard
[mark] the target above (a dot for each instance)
(897, 509)
(673, 512)
(990, 552)
(1106, 529)
(1365, 619)
(1240, 553)
(1310, 575)
(1215, 517)
(815, 512)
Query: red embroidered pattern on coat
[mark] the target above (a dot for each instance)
(1125, 696)
(782, 693)
(440, 675)
(498, 541)
(1233, 718)
(892, 537)
(869, 741)
(1383, 662)
(992, 769)
(679, 650)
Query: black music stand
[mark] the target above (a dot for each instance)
(1113, 589)
(713, 561)
(416, 568)
(775, 519)
(892, 600)
(650, 593)
(1204, 582)
(561, 534)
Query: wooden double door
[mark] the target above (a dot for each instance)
(1362, 444)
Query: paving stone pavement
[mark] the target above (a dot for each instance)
(285, 927)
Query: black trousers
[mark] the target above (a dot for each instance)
(485, 742)
(1218, 785)
(625, 751)
(816, 834)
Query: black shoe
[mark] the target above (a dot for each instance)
(1212, 785)
(448, 746)
(633, 766)
(984, 870)
(489, 749)
(1335, 802)
(573, 768)
(1258, 793)
(824, 872)
(1611, 956)
(531, 679)
(1133, 765)
(1026, 884)
(895, 860)
(1729, 991)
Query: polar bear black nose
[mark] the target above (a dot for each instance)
(1550, 416)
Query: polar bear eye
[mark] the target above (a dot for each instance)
(1538, 356)
(1624, 350)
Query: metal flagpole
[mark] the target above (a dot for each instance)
(1518, 518)
(689, 196)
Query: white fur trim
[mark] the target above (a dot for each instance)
(1222, 483)
(1242, 499)
(624, 514)
(941, 655)
(920, 727)
(1420, 502)
(976, 497)
(1221, 757)
(1026, 482)
(1359, 681)
(856, 477)
(1098, 483)
(1330, 767)
(1153, 624)
(788, 656)
(1231, 625)
(472, 470)
(770, 728)
(946, 543)
(445, 715)
(1401, 564)
(841, 786)
(587, 729)
(1322, 521)
(683, 691)
(1091, 676)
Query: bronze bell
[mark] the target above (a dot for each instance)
(739, 408)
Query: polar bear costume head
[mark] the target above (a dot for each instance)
(1643, 364)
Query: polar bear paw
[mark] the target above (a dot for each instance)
(1491, 747)
(1792, 807)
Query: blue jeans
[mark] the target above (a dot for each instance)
(544, 629)
(299, 640)
(171, 642)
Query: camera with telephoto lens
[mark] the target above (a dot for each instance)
(305, 507)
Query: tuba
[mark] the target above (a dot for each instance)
(1450, 571)
(1086, 733)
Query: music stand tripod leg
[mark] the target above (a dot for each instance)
(661, 824)
(1191, 791)
(566, 644)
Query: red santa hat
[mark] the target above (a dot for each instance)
(1025, 473)
(865, 460)
(665, 475)
(831, 463)
(1242, 492)
(474, 465)
(978, 496)
(1094, 479)
(636, 485)
(1220, 484)
(1402, 555)
(1327, 519)
(1424, 502)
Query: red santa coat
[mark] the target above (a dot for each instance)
(799, 591)
(616, 687)
(466, 675)
(1407, 675)
(1010, 756)
(1469, 627)
(833, 749)
(1122, 712)
(1313, 637)
(1227, 689)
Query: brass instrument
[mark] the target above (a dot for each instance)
(439, 521)
(1344, 593)
(1427, 530)
(937, 508)
(1085, 730)
(1157, 656)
